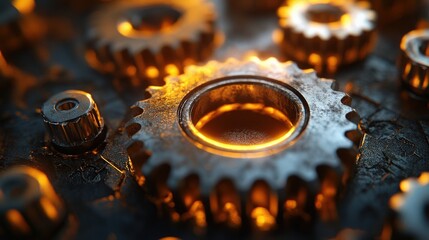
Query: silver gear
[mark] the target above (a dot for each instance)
(159, 134)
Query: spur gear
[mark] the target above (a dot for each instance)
(239, 128)
(411, 206)
(150, 39)
(326, 35)
(414, 62)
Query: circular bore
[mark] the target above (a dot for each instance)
(243, 115)
(324, 13)
(149, 20)
(73, 121)
(414, 64)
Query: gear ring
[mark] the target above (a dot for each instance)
(150, 39)
(171, 142)
(412, 206)
(326, 35)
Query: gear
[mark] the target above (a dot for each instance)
(150, 39)
(412, 208)
(235, 128)
(414, 62)
(326, 35)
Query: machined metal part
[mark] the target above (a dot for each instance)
(414, 62)
(326, 35)
(73, 121)
(29, 206)
(412, 208)
(148, 40)
(241, 131)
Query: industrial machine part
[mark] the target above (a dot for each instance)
(241, 132)
(73, 121)
(150, 39)
(254, 6)
(326, 35)
(411, 206)
(29, 206)
(414, 62)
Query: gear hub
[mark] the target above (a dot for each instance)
(150, 39)
(238, 130)
(326, 35)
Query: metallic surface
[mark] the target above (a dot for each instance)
(414, 62)
(73, 121)
(313, 144)
(185, 35)
(29, 206)
(326, 35)
(411, 206)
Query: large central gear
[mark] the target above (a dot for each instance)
(150, 39)
(178, 134)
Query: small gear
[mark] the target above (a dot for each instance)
(238, 128)
(414, 62)
(150, 39)
(412, 208)
(326, 35)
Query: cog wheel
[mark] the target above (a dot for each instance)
(411, 206)
(414, 62)
(240, 130)
(326, 35)
(150, 39)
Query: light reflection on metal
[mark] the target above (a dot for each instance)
(326, 34)
(24, 6)
(414, 63)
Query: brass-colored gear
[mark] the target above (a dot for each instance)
(414, 62)
(249, 130)
(412, 208)
(150, 39)
(326, 35)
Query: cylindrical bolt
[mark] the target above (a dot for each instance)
(73, 121)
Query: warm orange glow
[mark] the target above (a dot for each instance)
(277, 36)
(152, 72)
(125, 28)
(290, 204)
(319, 201)
(172, 70)
(405, 185)
(17, 221)
(424, 178)
(232, 214)
(24, 6)
(316, 60)
(249, 106)
(197, 210)
(262, 218)
(49, 209)
(396, 201)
